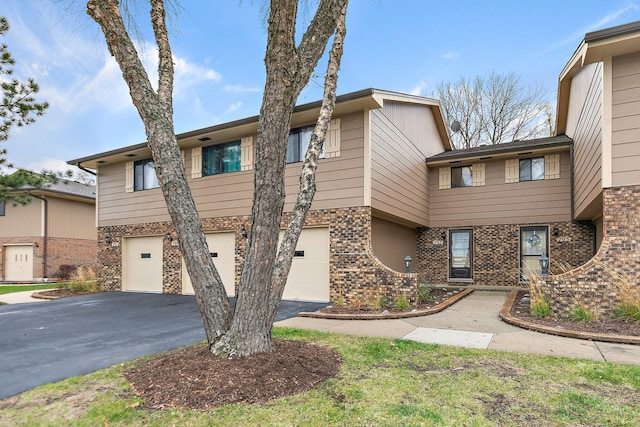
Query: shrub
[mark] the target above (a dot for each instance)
(402, 303)
(627, 310)
(65, 271)
(580, 313)
(540, 304)
(424, 292)
(82, 280)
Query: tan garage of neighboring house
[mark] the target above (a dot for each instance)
(18, 263)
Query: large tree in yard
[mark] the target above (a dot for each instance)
(288, 69)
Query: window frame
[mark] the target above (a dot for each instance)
(463, 183)
(300, 145)
(145, 186)
(221, 166)
(529, 167)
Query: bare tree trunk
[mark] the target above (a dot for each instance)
(156, 112)
(288, 71)
(307, 187)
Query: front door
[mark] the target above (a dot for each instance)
(460, 254)
(534, 243)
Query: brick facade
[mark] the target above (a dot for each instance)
(496, 252)
(597, 285)
(354, 271)
(78, 252)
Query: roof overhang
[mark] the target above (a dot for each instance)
(367, 99)
(523, 149)
(595, 47)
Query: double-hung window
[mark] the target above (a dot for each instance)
(221, 158)
(532, 169)
(298, 142)
(144, 175)
(462, 177)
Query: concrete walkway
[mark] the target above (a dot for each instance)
(21, 297)
(474, 323)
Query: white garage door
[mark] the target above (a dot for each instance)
(309, 275)
(142, 264)
(222, 247)
(18, 262)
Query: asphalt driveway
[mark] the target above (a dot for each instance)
(42, 343)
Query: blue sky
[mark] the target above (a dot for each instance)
(399, 45)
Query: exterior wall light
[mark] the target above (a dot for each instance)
(407, 264)
(544, 265)
(35, 245)
(243, 231)
(107, 240)
(556, 230)
(169, 237)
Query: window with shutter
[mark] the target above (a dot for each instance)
(511, 170)
(445, 178)
(246, 147)
(332, 143)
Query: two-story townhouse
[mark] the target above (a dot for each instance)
(57, 227)
(372, 197)
(599, 108)
(496, 209)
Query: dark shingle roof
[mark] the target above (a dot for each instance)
(72, 188)
(508, 147)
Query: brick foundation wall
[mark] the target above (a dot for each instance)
(354, 271)
(597, 284)
(496, 252)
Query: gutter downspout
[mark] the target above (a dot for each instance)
(46, 235)
(82, 168)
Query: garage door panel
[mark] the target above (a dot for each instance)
(308, 278)
(222, 247)
(142, 269)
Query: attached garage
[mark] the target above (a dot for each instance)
(18, 262)
(309, 275)
(222, 248)
(142, 264)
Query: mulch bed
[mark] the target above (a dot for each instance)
(193, 378)
(604, 325)
(58, 293)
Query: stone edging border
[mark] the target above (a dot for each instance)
(346, 316)
(38, 295)
(505, 314)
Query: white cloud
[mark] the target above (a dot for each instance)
(450, 55)
(611, 17)
(419, 89)
(233, 107)
(49, 164)
(241, 89)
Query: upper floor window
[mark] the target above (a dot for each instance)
(298, 142)
(144, 175)
(1, 207)
(532, 169)
(221, 158)
(462, 176)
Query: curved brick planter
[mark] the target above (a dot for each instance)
(368, 316)
(505, 314)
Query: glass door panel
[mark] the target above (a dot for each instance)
(533, 244)
(460, 254)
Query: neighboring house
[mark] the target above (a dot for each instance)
(390, 186)
(372, 197)
(599, 108)
(56, 227)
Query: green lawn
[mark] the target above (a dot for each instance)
(9, 289)
(382, 382)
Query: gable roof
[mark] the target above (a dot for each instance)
(487, 152)
(595, 47)
(366, 99)
(64, 188)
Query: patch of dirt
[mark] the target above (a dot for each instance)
(436, 296)
(521, 309)
(192, 378)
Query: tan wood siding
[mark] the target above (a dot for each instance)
(340, 183)
(339, 180)
(626, 120)
(498, 202)
(20, 220)
(417, 123)
(398, 172)
(392, 242)
(72, 219)
(584, 125)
